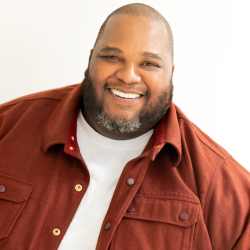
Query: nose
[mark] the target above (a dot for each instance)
(128, 74)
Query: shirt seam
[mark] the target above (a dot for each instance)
(148, 218)
(170, 199)
(211, 187)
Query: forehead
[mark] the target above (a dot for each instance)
(135, 33)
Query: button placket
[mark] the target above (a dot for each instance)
(131, 180)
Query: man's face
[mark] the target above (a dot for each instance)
(129, 79)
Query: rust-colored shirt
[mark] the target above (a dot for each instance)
(183, 192)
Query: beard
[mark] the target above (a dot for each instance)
(150, 116)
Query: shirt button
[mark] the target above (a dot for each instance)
(78, 187)
(72, 138)
(2, 188)
(107, 226)
(183, 216)
(131, 208)
(71, 148)
(56, 231)
(130, 181)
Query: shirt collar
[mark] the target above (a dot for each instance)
(61, 128)
(168, 132)
(61, 121)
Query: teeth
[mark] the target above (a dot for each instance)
(124, 95)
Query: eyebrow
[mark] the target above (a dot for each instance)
(112, 49)
(153, 55)
(115, 49)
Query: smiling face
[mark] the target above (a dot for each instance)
(129, 79)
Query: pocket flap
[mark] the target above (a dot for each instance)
(16, 190)
(164, 210)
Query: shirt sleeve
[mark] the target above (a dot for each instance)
(227, 208)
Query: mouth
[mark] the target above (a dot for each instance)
(127, 98)
(125, 95)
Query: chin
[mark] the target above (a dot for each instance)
(121, 115)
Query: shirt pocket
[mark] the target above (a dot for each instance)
(157, 223)
(13, 197)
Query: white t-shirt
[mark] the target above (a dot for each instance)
(105, 159)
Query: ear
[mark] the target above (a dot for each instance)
(91, 52)
(173, 67)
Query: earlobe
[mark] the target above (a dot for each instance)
(91, 52)
(173, 67)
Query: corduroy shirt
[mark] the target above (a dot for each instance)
(183, 192)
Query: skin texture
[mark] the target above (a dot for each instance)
(130, 70)
(141, 10)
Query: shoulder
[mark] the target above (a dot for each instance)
(53, 94)
(215, 170)
(34, 108)
(193, 134)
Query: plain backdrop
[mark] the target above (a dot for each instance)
(46, 44)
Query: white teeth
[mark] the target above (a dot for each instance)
(124, 95)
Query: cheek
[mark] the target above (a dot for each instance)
(99, 76)
(157, 84)
(96, 73)
(100, 71)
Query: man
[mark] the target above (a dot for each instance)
(112, 163)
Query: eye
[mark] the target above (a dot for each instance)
(149, 64)
(110, 57)
(113, 57)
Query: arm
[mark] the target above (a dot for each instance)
(227, 207)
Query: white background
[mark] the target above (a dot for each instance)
(45, 44)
